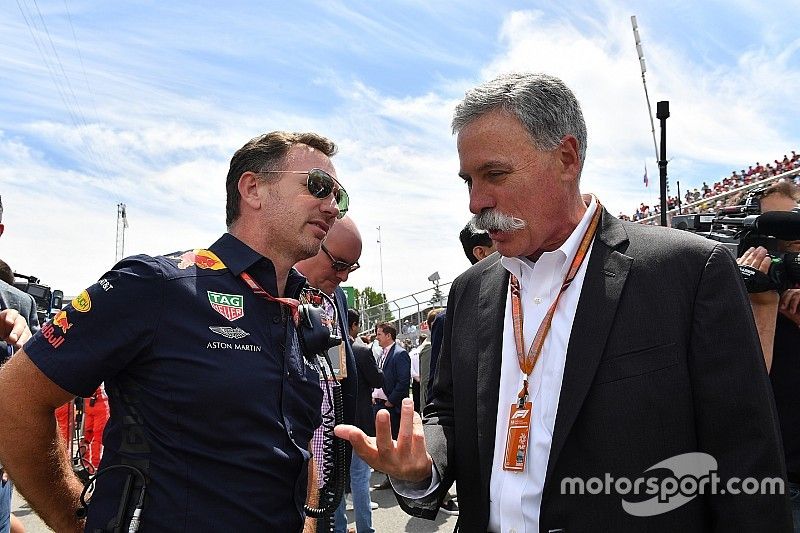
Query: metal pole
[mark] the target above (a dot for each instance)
(380, 256)
(662, 113)
(679, 197)
(644, 83)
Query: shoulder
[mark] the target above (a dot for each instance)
(658, 245)
(12, 296)
(188, 263)
(362, 351)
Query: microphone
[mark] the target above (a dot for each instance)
(784, 225)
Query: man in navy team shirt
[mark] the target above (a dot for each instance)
(211, 398)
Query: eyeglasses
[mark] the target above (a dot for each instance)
(339, 265)
(321, 185)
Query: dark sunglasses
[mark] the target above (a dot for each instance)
(321, 185)
(339, 265)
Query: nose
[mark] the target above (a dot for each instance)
(343, 275)
(479, 198)
(330, 206)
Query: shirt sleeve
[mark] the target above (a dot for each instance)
(103, 329)
(415, 491)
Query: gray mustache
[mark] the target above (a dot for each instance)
(493, 220)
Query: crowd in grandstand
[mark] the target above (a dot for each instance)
(735, 181)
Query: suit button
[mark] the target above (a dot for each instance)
(276, 319)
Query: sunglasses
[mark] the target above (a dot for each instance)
(339, 265)
(321, 185)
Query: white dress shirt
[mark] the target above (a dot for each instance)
(515, 497)
(379, 394)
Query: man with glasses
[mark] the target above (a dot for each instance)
(336, 260)
(212, 402)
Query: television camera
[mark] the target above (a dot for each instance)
(47, 299)
(743, 226)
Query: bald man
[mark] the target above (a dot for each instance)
(337, 258)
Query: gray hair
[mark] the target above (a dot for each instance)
(543, 104)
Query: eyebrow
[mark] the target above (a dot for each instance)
(488, 165)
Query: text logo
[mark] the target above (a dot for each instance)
(670, 484)
(231, 306)
(82, 302)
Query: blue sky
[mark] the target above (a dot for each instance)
(144, 103)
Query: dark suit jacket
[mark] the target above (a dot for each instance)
(437, 331)
(396, 377)
(663, 359)
(349, 384)
(369, 377)
(13, 298)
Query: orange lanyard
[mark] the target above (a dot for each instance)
(527, 361)
(291, 303)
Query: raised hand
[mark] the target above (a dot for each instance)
(406, 458)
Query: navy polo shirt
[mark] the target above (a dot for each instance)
(207, 387)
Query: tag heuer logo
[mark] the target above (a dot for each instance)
(229, 332)
(231, 306)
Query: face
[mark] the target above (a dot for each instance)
(506, 172)
(343, 244)
(294, 221)
(780, 202)
(384, 339)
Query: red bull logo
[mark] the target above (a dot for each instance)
(61, 321)
(204, 259)
(49, 333)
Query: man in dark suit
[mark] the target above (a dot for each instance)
(637, 351)
(336, 260)
(396, 366)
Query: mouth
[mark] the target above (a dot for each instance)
(322, 226)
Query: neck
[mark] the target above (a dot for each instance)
(280, 262)
(573, 215)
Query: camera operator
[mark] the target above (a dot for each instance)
(778, 322)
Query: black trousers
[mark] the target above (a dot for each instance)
(394, 415)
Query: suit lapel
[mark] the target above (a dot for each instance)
(491, 310)
(602, 287)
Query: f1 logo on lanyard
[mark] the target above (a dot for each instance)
(519, 419)
(519, 423)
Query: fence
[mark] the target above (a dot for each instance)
(413, 307)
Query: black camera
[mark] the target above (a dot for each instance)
(46, 299)
(742, 227)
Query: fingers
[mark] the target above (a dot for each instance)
(790, 300)
(757, 258)
(418, 437)
(406, 425)
(383, 432)
(362, 444)
(12, 325)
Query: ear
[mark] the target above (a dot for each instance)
(568, 157)
(248, 190)
(2, 227)
(479, 252)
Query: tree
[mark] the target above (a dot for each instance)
(369, 301)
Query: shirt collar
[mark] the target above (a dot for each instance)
(518, 265)
(238, 257)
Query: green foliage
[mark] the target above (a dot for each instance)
(369, 300)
